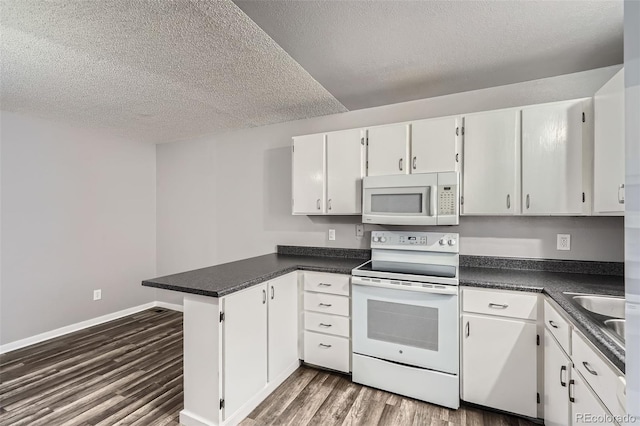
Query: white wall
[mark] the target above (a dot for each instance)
(227, 197)
(78, 214)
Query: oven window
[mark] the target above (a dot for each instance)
(403, 324)
(396, 203)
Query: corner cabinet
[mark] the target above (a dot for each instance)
(557, 155)
(327, 172)
(499, 350)
(238, 349)
(609, 163)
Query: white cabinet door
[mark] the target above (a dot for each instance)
(388, 150)
(586, 408)
(435, 145)
(608, 178)
(553, 159)
(283, 323)
(557, 368)
(244, 346)
(344, 172)
(308, 174)
(499, 368)
(491, 163)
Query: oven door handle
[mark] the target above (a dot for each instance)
(451, 290)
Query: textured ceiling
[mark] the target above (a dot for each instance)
(381, 52)
(153, 70)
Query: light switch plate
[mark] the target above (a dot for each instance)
(332, 234)
(360, 230)
(97, 294)
(564, 242)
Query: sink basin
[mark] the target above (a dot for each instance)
(617, 326)
(602, 305)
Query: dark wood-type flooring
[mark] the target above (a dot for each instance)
(129, 372)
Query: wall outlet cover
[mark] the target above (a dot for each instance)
(332, 234)
(97, 294)
(564, 242)
(360, 230)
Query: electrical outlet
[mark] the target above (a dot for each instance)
(332, 234)
(97, 294)
(564, 242)
(360, 230)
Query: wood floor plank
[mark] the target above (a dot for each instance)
(129, 372)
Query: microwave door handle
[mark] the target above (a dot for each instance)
(432, 204)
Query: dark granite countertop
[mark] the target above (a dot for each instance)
(554, 284)
(222, 280)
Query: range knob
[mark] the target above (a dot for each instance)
(452, 242)
(442, 242)
(383, 239)
(376, 239)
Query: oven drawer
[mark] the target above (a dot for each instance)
(558, 326)
(326, 303)
(324, 323)
(503, 303)
(327, 283)
(326, 351)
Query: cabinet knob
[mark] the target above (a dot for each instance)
(528, 199)
(508, 201)
(414, 162)
(400, 164)
(621, 194)
(329, 203)
(318, 204)
(563, 369)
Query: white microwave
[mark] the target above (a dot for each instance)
(418, 199)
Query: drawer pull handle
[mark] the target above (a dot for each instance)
(571, 385)
(552, 324)
(325, 304)
(562, 382)
(498, 306)
(324, 325)
(589, 368)
(324, 285)
(322, 345)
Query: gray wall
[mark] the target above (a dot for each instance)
(78, 214)
(226, 197)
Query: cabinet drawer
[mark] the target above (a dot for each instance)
(558, 327)
(324, 323)
(502, 303)
(326, 351)
(327, 283)
(326, 303)
(597, 372)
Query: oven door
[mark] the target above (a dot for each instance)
(418, 328)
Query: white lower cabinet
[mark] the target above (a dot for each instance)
(580, 388)
(499, 363)
(557, 369)
(238, 349)
(327, 321)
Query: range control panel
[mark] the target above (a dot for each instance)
(421, 241)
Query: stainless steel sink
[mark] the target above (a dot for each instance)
(606, 311)
(602, 305)
(617, 326)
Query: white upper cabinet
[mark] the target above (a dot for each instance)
(608, 104)
(491, 164)
(435, 145)
(308, 174)
(388, 150)
(345, 168)
(556, 158)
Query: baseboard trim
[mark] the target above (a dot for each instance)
(38, 338)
